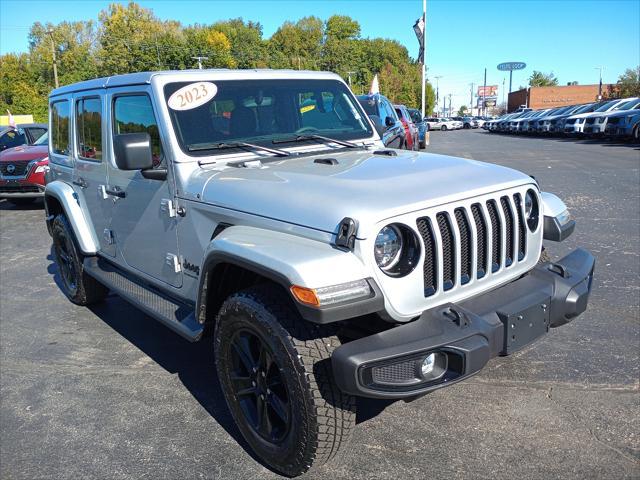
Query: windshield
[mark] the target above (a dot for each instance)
(415, 115)
(261, 111)
(42, 139)
(606, 106)
(630, 105)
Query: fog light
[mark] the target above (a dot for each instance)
(428, 364)
(433, 366)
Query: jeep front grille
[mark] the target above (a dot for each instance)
(496, 241)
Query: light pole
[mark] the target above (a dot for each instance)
(199, 58)
(438, 77)
(600, 84)
(53, 55)
(450, 110)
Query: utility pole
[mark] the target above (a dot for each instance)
(503, 80)
(53, 54)
(349, 77)
(471, 98)
(484, 94)
(600, 85)
(450, 110)
(199, 58)
(438, 77)
(158, 52)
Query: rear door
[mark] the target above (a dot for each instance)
(90, 173)
(143, 220)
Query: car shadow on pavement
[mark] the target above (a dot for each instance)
(192, 362)
(37, 204)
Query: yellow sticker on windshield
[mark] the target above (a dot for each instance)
(192, 96)
(307, 108)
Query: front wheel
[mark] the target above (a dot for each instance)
(275, 372)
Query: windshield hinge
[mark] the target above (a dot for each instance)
(346, 236)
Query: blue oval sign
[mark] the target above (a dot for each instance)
(512, 66)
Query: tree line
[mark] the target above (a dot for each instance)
(132, 39)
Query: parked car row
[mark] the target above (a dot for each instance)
(24, 160)
(455, 123)
(619, 118)
(398, 126)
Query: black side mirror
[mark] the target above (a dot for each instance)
(133, 151)
(389, 122)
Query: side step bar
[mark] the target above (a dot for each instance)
(174, 314)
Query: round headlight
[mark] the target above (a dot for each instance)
(388, 247)
(531, 210)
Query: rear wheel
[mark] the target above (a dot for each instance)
(79, 287)
(444, 128)
(275, 372)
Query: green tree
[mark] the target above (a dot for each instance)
(297, 45)
(539, 79)
(628, 84)
(247, 46)
(462, 111)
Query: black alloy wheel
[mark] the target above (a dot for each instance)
(259, 387)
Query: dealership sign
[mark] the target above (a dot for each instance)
(507, 66)
(488, 91)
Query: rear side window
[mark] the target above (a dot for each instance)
(89, 128)
(134, 114)
(60, 143)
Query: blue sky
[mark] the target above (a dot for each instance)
(568, 37)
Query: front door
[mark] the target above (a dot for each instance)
(143, 219)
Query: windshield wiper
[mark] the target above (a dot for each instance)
(301, 138)
(198, 147)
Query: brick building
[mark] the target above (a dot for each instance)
(558, 96)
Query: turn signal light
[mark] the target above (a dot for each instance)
(305, 295)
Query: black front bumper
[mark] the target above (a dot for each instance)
(466, 335)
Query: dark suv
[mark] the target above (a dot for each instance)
(384, 118)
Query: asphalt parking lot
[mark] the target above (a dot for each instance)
(109, 393)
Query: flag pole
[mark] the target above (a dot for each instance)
(424, 67)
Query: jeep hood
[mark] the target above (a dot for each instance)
(366, 187)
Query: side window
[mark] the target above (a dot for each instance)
(12, 138)
(60, 127)
(89, 128)
(134, 114)
(37, 132)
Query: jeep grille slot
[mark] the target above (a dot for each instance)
(465, 245)
(522, 228)
(481, 229)
(430, 261)
(448, 251)
(468, 241)
(496, 236)
(508, 220)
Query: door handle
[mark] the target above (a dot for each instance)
(115, 192)
(81, 182)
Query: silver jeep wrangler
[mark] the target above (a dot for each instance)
(260, 208)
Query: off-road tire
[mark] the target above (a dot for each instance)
(322, 417)
(80, 288)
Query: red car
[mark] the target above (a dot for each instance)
(22, 171)
(410, 129)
